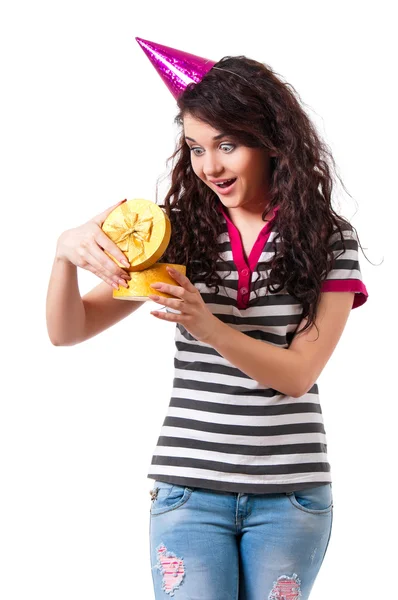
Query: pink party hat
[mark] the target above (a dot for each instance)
(176, 68)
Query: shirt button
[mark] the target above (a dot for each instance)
(244, 290)
(244, 272)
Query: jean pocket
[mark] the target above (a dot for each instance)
(168, 496)
(316, 500)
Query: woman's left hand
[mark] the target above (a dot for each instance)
(195, 316)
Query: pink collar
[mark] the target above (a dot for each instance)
(245, 267)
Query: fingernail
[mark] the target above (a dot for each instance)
(124, 262)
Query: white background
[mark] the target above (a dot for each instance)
(86, 122)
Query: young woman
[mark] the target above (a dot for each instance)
(242, 500)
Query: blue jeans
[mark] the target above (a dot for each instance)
(208, 545)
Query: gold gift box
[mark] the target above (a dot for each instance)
(142, 231)
(140, 282)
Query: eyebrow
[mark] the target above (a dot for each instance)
(216, 137)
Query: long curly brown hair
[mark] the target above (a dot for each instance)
(246, 99)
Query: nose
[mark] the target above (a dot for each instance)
(212, 165)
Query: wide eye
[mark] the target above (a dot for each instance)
(227, 147)
(196, 151)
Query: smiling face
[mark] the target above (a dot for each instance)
(239, 175)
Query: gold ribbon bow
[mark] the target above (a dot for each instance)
(130, 232)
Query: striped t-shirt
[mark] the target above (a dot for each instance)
(223, 430)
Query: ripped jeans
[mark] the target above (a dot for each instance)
(208, 545)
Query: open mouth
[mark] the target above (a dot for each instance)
(226, 184)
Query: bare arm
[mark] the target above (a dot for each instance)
(294, 370)
(103, 311)
(65, 314)
(72, 319)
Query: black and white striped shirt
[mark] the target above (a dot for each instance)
(225, 431)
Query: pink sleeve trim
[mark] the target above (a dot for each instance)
(347, 285)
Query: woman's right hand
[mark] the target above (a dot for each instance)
(84, 247)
